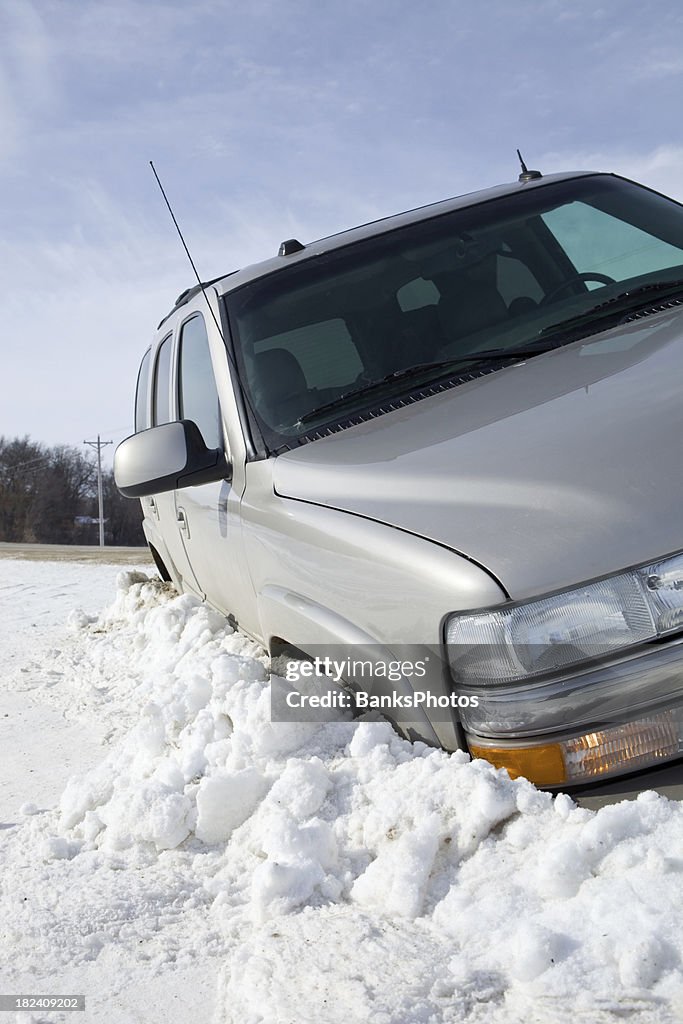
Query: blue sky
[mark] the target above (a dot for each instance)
(267, 120)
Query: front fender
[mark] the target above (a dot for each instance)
(318, 631)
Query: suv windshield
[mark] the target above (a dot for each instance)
(391, 318)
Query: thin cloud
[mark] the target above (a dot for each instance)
(268, 121)
(28, 81)
(659, 168)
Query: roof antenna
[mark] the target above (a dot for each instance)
(526, 174)
(202, 286)
(184, 246)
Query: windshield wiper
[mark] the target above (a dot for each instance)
(446, 365)
(618, 306)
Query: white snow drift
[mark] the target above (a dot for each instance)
(326, 873)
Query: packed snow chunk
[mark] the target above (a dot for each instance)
(642, 960)
(302, 864)
(396, 880)
(83, 794)
(371, 738)
(167, 626)
(78, 619)
(467, 800)
(563, 867)
(226, 669)
(151, 812)
(203, 742)
(564, 805)
(534, 949)
(128, 578)
(59, 848)
(231, 666)
(151, 732)
(279, 887)
(492, 799)
(612, 824)
(225, 801)
(198, 693)
(256, 736)
(302, 787)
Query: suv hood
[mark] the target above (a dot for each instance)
(554, 471)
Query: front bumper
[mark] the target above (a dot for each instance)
(667, 780)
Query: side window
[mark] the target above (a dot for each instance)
(161, 408)
(141, 414)
(197, 394)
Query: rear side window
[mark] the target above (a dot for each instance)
(141, 414)
(161, 404)
(197, 394)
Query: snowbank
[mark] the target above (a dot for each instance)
(332, 873)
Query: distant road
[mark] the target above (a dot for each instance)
(76, 553)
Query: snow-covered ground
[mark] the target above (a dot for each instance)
(170, 853)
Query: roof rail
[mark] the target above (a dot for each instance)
(189, 293)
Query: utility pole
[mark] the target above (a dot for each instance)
(99, 445)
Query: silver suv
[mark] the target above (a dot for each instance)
(448, 441)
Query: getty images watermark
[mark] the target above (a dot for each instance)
(334, 687)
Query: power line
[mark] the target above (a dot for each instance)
(22, 465)
(99, 445)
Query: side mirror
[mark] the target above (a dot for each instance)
(166, 457)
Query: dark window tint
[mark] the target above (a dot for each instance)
(197, 394)
(141, 415)
(162, 371)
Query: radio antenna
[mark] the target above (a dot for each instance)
(180, 234)
(203, 290)
(526, 174)
(192, 264)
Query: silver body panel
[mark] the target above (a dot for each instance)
(487, 469)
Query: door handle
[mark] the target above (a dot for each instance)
(181, 520)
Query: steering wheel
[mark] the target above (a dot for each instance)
(587, 275)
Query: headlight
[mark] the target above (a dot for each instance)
(664, 587)
(550, 635)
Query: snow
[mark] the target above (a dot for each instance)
(174, 855)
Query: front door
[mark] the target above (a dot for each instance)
(163, 506)
(208, 515)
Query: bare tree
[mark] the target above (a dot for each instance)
(22, 464)
(123, 516)
(49, 495)
(64, 486)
